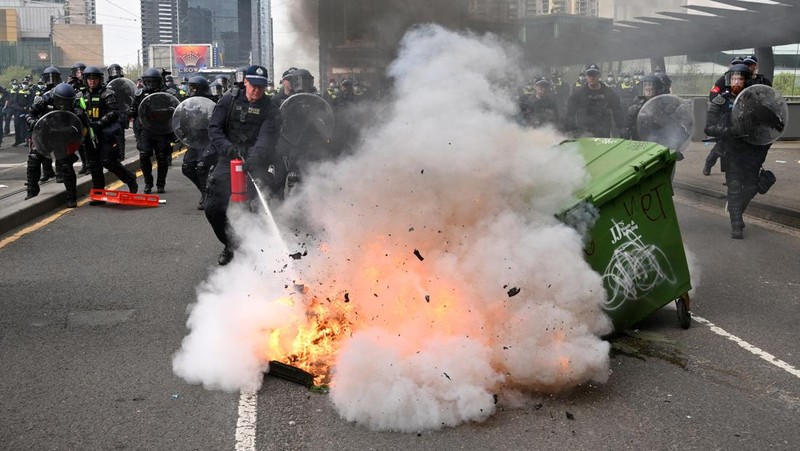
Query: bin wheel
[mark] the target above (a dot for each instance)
(684, 312)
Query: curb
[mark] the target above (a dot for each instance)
(773, 213)
(51, 197)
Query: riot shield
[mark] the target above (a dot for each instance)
(190, 121)
(307, 120)
(57, 134)
(155, 112)
(760, 114)
(667, 120)
(124, 90)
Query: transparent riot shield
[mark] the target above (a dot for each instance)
(155, 112)
(760, 114)
(307, 120)
(667, 120)
(190, 121)
(124, 90)
(57, 134)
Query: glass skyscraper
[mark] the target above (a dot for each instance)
(226, 24)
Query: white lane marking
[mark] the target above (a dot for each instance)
(757, 351)
(780, 161)
(246, 424)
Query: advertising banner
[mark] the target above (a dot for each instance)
(191, 58)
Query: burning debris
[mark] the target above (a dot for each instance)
(431, 364)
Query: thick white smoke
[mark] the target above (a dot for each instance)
(461, 284)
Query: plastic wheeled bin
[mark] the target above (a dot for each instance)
(635, 242)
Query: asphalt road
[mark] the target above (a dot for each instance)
(93, 306)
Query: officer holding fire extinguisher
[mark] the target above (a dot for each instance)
(233, 128)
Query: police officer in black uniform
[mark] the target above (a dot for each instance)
(235, 124)
(21, 103)
(76, 81)
(540, 109)
(115, 71)
(286, 87)
(61, 97)
(744, 159)
(715, 152)
(51, 77)
(592, 107)
(102, 149)
(149, 143)
(76, 78)
(652, 86)
(757, 79)
(197, 161)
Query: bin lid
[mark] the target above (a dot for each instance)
(615, 165)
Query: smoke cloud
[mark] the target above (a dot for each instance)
(436, 243)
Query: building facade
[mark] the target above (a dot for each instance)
(38, 33)
(235, 28)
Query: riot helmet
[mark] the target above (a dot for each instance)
(302, 81)
(168, 79)
(151, 78)
(216, 89)
(665, 80)
(736, 77)
(93, 73)
(63, 97)
(51, 77)
(114, 71)
(238, 76)
(223, 81)
(76, 69)
(652, 86)
(198, 85)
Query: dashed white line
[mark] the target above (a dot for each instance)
(753, 349)
(246, 424)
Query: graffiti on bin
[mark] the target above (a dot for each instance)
(648, 203)
(635, 268)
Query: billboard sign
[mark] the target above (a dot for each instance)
(189, 59)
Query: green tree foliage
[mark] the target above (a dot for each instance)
(131, 71)
(786, 84)
(18, 72)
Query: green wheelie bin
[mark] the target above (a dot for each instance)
(635, 242)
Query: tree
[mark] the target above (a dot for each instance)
(12, 72)
(131, 71)
(786, 84)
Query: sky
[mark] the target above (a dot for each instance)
(122, 31)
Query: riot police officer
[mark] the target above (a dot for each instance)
(197, 161)
(76, 77)
(223, 80)
(591, 108)
(235, 124)
(757, 79)
(147, 142)
(61, 97)
(114, 71)
(286, 87)
(744, 159)
(102, 148)
(652, 86)
(51, 77)
(715, 152)
(22, 99)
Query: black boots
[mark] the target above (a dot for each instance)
(226, 256)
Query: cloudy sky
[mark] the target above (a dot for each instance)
(122, 30)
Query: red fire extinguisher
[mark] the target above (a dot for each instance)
(238, 181)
